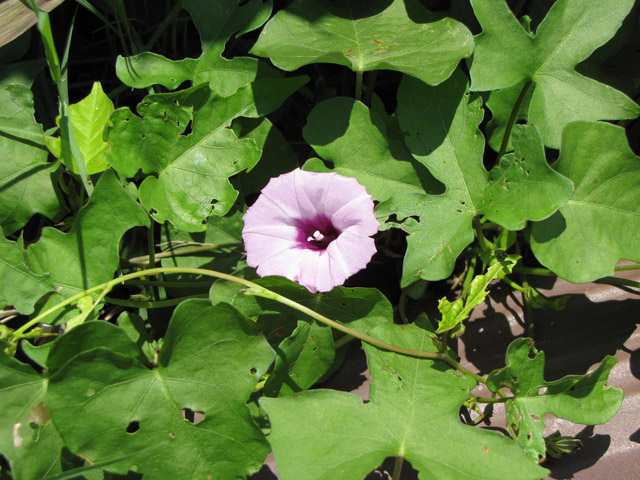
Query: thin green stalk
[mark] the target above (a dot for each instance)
(482, 240)
(342, 341)
(145, 259)
(59, 74)
(512, 118)
(397, 468)
(513, 284)
(624, 268)
(151, 243)
(402, 303)
(153, 304)
(359, 74)
(491, 399)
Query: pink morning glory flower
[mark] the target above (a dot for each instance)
(312, 228)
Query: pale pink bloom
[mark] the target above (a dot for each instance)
(312, 228)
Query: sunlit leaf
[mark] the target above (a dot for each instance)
(365, 36)
(109, 405)
(582, 399)
(413, 413)
(569, 33)
(600, 223)
(88, 117)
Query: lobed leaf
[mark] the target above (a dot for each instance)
(585, 238)
(108, 405)
(582, 399)
(403, 37)
(570, 32)
(191, 171)
(88, 254)
(441, 127)
(413, 413)
(216, 22)
(345, 132)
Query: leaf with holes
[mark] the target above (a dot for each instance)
(409, 416)
(216, 22)
(28, 439)
(569, 33)
(441, 124)
(345, 132)
(404, 37)
(107, 404)
(190, 171)
(584, 399)
(600, 223)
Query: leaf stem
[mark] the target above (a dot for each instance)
(397, 468)
(512, 118)
(359, 75)
(151, 243)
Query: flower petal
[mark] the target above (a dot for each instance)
(313, 228)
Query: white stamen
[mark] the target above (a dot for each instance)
(316, 237)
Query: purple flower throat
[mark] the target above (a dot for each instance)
(316, 233)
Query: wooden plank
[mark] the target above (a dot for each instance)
(16, 18)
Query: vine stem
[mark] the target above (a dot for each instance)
(512, 118)
(256, 290)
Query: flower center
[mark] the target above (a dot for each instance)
(317, 234)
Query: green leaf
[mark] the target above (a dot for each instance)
(28, 440)
(22, 286)
(303, 358)
(599, 224)
(365, 39)
(26, 178)
(108, 405)
(360, 308)
(88, 117)
(89, 337)
(216, 22)
(345, 132)
(570, 32)
(192, 170)
(88, 254)
(413, 413)
(454, 313)
(277, 155)
(523, 186)
(583, 399)
(441, 124)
